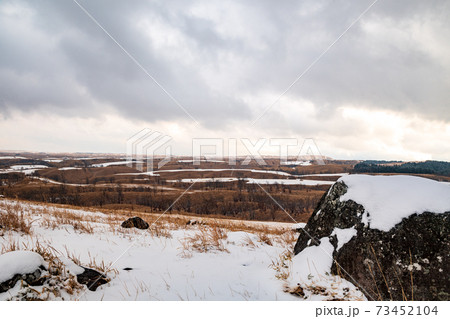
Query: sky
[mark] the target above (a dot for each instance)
(365, 80)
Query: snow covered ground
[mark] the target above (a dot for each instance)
(173, 260)
(26, 169)
(11, 157)
(262, 181)
(116, 163)
(289, 182)
(300, 163)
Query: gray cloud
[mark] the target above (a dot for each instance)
(211, 54)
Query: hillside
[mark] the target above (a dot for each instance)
(177, 258)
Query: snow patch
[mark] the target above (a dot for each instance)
(313, 261)
(19, 262)
(344, 235)
(71, 267)
(116, 163)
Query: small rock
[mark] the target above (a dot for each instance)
(92, 279)
(136, 222)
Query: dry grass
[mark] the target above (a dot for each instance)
(57, 278)
(283, 265)
(13, 218)
(206, 239)
(264, 238)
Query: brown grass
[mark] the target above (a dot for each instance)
(13, 219)
(204, 240)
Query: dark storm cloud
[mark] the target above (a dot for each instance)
(54, 57)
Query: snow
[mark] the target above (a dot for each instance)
(331, 174)
(116, 163)
(204, 180)
(89, 158)
(156, 173)
(53, 160)
(389, 199)
(312, 268)
(11, 157)
(160, 271)
(19, 262)
(313, 261)
(344, 235)
(73, 268)
(289, 182)
(47, 180)
(261, 181)
(162, 268)
(68, 168)
(22, 167)
(207, 160)
(298, 226)
(26, 169)
(301, 163)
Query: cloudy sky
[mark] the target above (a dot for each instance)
(217, 69)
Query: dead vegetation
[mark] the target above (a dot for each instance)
(12, 218)
(207, 238)
(56, 279)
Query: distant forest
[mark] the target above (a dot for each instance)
(427, 167)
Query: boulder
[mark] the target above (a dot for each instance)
(406, 261)
(20, 265)
(136, 222)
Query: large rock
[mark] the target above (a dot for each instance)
(136, 222)
(408, 261)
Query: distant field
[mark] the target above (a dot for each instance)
(213, 188)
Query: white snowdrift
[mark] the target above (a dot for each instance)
(389, 199)
(22, 167)
(313, 261)
(116, 163)
(261, 181)
(19, 262)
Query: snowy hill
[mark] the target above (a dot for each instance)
(177, 258)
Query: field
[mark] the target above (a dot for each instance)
(177, 258)
(272, 192)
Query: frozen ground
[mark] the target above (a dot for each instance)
(175, 260)
(262, 181)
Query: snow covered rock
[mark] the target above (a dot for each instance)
(135, 222)
(16, 265)
(390, 235)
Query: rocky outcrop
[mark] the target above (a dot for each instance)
(407, 262)
(136, 222)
